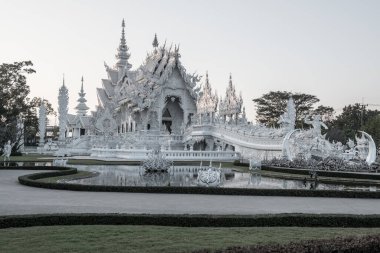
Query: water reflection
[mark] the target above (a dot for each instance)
(136, 176)
(187, 176)
(25, 164)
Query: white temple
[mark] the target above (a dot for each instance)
(159, 105)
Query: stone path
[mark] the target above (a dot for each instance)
(20, 199)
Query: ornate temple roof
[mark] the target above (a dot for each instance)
(138, 89)
(232, 103)
(207, 101)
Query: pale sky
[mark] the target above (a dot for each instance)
(328, 48)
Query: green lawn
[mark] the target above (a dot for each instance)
(32, 158)
(123, 238)
(79, 175)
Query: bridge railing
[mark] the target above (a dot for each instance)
(234, 132)
(175, 155)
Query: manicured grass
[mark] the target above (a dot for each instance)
(32, 158)
(124, 238)
(79, 175)
(321, 179)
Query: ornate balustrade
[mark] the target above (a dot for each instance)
(238, 135)
(175, 155)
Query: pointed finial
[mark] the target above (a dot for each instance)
(122, 51)
(122, 39)
(63, 80)
(81, 89)
(155, 41)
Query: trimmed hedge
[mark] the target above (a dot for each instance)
(31, 180)
(323, 173)
(276, 220)
(365, 244)
(39, 167)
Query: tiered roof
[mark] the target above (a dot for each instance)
(82, 108)
(208, 101)
(138, 89)
(232, 103)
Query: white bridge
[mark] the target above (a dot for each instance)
(246, 140)
(216, 142)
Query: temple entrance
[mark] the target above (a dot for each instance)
(172, 115)
(167, 120)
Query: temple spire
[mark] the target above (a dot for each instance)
(81, 89)
(82, 108)
(155, 42)
(207, 84)
(122, 51)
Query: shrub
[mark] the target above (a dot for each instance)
(365, 244)
(279, 220)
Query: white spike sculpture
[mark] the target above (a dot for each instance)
(63, 102)
(42, 123)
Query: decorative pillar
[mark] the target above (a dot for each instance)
(42, 123)
(63, 101)
(20, 133)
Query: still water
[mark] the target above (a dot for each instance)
(186, 176)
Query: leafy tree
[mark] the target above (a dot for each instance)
(353, 118)
(372, 127)
(270, 106)
(31, 118)
(336, 134)
(326, 112)
(13, 94)
(15, 103)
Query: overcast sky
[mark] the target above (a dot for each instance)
(326, 48)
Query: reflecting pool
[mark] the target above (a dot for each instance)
(186, 176)
(25, 164)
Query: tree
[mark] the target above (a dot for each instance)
(336, 134)
(13, 94)
(31, 118)
(326, 112)
(352, 119)
(372, 127)
(270, 106)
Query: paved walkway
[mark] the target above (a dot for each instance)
(20, 199)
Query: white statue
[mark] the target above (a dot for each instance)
(7, 150)
(317, 124)
(288, 119)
